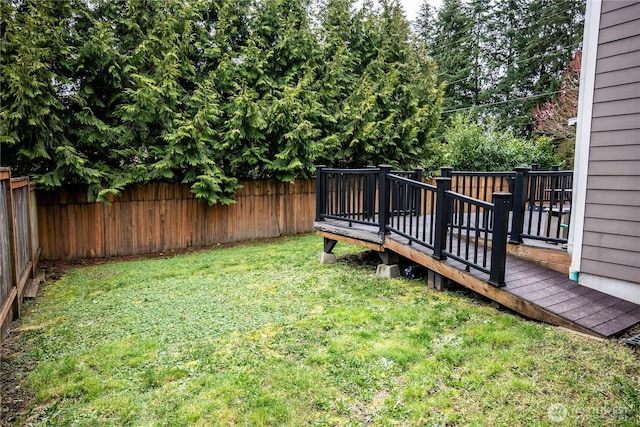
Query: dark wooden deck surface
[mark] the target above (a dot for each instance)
(531, 289)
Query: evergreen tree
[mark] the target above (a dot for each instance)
(451, 49)
(502, 55)
(391, 103)
(107, 93)
(540, 48)
(36, 84)
(552, 116)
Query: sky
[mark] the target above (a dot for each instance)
(411, 7)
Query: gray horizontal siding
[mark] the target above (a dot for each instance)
(611, 213)
(613, 122)
(613, 5)
(615, 152)
(620, 61)
(616, 137)
(631, 44)
(621, 272)
(626, 228)
(617, 77)
(615, 17)
(628, 183)
(613, 197)
(611, 239)
(626, 243)
(613, 93)
(622, 31)
(620, 107)
(614, 168)
(610, 255)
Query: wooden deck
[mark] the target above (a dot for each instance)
(533, 290)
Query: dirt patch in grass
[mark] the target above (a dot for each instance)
(14, 396)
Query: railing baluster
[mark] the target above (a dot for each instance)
(477, 236)
(468, 232)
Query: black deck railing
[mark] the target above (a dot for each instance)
(413, 215)
(459, 216)
(419, 212)
(541, 206)
(347, 194)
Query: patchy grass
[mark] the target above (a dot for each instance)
(262, 334)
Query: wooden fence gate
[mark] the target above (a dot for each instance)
(19, 247)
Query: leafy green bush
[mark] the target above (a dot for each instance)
(468, 146)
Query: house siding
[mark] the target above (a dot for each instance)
(611, 241)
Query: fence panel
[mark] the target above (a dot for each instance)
(160, 217)
(17, 254)
(33, 217)
(22, 229)
(7, 288)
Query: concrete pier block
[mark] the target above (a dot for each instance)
(436, 281)
(385, 271)
(326, 258)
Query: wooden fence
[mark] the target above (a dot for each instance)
(160, 217)
(19, 247)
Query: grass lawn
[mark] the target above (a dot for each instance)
(262, 334)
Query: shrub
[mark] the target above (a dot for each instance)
(469, 146)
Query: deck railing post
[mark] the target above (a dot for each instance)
(445, 171)
(443, 184)
(520, 189)
(501, 202)
(384, 198)
(321, 192)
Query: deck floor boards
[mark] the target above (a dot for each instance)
(532, 284)
(538, 290)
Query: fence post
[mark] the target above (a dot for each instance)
(321, 191)
(442, 217)
(385, 196)
(501, 202)
(519, 199)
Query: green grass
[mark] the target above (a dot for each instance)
(262, 334)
